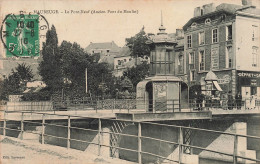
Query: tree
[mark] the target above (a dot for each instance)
(137, 44)
(15, 83)
(74, 63)
(24, 72)
(50, 67)
(138, 73)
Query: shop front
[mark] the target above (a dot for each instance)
(248, 84)
(216, 83)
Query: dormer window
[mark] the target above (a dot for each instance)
(194, 24)
(223, 17)
(208, 21)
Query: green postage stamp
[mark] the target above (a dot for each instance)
(20, 34)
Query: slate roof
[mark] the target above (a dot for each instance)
(227, 8)
(124, 51)
(105, 45)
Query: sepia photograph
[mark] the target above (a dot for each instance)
(129, 81)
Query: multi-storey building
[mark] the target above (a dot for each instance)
(223, 39)
(106, 48)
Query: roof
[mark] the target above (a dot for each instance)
(211, 76)
(163, 78)
(124, 51)
(180, 41)
(225, 8)
(105, 45)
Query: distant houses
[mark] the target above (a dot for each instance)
(118, 57)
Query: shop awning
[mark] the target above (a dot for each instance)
(217, 86)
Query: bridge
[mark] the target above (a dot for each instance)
(186, 136)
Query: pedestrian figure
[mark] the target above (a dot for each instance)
(196, 106)
(252, 102)
(230, 101)
(224, 99)
(238, 100)
(199, 101)
(247, 101)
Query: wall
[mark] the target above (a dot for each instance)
(244, 43)
(123, 60)
(152, 146)
(29, 105)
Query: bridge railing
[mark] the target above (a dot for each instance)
(140, 136)
(237, 104)
(128, 105)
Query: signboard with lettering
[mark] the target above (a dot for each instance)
(248, 74)
(224, 80)
(15, 98)
(214, 58)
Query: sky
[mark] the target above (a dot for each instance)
(84, 28)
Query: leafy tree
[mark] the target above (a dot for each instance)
(15, 83)
(138, 73)
(24, 72)
(50, 67)
(137, 44)
(74, 63)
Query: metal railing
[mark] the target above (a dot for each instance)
(239, 104)
(128, 105)
(139, 136)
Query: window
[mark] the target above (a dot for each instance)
(255, 56)
(201, 11)
(180, 63)
(208, 21)
(191, 60)
(161, 62)
(223, 17)
(192, 75)
(229, 32)
(202, 61)
(215, 35)
(124, 60)
(255, 32)
(201, 38)
(107, 50)
(189, 41)
(194, 24)
(229, 57)
(119, 62)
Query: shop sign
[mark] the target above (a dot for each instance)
(248, 74)
(224, 80)
(214, 58)
(15, 98)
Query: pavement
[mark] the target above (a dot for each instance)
(15, 151)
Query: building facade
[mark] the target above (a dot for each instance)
(104, 49)
(225, 40)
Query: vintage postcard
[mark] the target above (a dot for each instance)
(130, 81)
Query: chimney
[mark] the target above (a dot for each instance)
(208, 8)
(179, 33)
(196, 12)
(247, 2)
